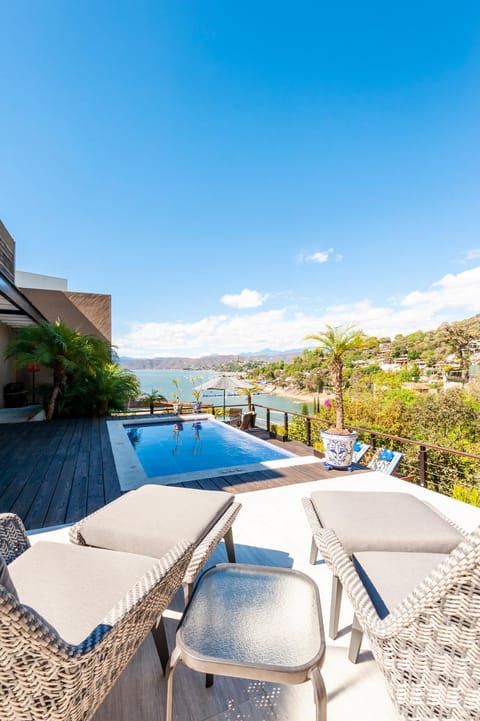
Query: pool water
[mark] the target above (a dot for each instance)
(182, 447)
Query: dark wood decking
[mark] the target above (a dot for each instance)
(56, 473)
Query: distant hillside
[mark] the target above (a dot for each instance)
(460, 339)
(205, 362)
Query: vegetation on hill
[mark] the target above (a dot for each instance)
(389, 384)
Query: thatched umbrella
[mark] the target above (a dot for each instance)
(223, 383)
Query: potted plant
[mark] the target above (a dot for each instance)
(177, 404)
(197, 403)
(338, 441)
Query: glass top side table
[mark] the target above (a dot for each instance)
(254, 622)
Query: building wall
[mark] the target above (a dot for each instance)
(7, 367)
(7, 253)
(90, 313)
(36, 280)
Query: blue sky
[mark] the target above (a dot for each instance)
(237, 175)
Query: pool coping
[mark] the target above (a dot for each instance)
(131, 474)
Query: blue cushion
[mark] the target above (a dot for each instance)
(386, 455)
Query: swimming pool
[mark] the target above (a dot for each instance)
(189, 448)
(185, 446)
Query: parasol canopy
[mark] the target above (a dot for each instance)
(223, 383)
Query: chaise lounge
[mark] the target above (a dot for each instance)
(151, 519)
(374, 521)
(71, 618)
(421, 615)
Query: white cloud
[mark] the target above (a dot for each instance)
(468, 255)
(245, 299)
(321, 256)
(460, 291)
(451, 298)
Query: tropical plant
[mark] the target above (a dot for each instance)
(335, 342)
(196, 393)
(108, 388)
(62, 350)
(151, 399)
(178, 390)
(248, 392)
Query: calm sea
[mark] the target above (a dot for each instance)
(161, 380)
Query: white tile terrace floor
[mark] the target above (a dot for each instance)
(271, 529)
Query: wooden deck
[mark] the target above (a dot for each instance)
(56, 473)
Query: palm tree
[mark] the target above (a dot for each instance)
(151, 397)
(57, 347)
(335, 341)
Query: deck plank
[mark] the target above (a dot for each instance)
(55, 473)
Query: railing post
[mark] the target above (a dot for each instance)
(309, 432)
(285, 423)
(268, 420)
(422, 466)
(373, 439)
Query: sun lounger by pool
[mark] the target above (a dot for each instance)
(150, 519)
(71, 618)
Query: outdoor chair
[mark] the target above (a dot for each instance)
(374, 521)
(150, 519)
(359, 450)
(424, 634)
(71, 618)
(235, 416)
(385, 461)
(248, 420)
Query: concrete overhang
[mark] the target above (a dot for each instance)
(16, 310)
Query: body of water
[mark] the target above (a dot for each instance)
(161, 380)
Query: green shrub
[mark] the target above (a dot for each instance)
(467, 495)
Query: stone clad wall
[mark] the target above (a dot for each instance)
(7, 253)
(89, 313)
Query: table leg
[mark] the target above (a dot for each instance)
(319, 694)
(174, 659)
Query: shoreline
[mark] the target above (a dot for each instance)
(294, 394)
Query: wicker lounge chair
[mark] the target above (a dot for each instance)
(374, 521)
(63, 642)
(427, 644)
(149, 520)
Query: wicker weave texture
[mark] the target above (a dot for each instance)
(201, 552)
(43, 678)
(428, 647)
(207, 546)
(13, 539)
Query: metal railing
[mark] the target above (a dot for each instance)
(439, 468)
(446, 470)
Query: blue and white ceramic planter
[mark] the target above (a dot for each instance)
(338, 448)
